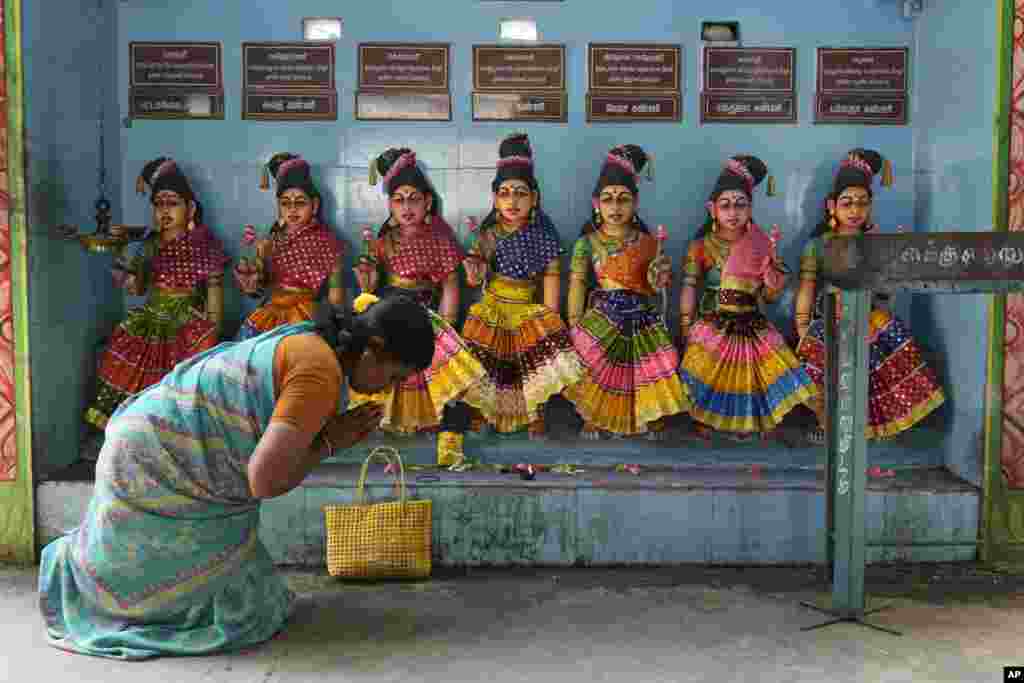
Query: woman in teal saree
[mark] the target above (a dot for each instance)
(167, 560)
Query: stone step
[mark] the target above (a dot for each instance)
(702, 515)
(788, 448)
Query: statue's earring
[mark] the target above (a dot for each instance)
(832, 219)
(714, 225)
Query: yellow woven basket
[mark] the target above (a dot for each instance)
(388, 540)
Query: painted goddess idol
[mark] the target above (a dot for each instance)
(415, 252)
(742, 377)
(179, 267)
(298, 259)
(632, 382)
(523, 343)
(902, 388)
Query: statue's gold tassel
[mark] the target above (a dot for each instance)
(887, 173)
(771, 186)
(265, 179)
(140, 185)
(373, 171)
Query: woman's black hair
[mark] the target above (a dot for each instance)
(403, 324)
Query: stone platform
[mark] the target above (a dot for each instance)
(696, 502)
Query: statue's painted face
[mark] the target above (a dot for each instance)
(732, 209)
(171, 211)
(852, 209)
(409, 206)
(617, 205)
(514, 201)
(296, 208)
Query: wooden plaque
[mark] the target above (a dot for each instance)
(613, 108)
(880, 261)
(749, 70)
(299, 66)
(176, 65)
(863, 69)
(540, 106)
(634, 68)
(503, 68)
(403, 66)
(729, 108)
(860, 108)
(165, 103)
(288, 105)
(388, 105)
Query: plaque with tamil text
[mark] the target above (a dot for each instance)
(749, 70)
(502, 68)
(389, 105)
(164, 103)
(730, 108)
(175, 65)
(403, 66)
(862, 70)
(881, 262)
(615, 108)
(288, 105)
(550, 107)
(860, 108)
(634, 68)
(299, 66)
(861, 85)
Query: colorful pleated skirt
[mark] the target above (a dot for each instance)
(902, 389)
(741, 375)
(417, 404)
(526, 350)
(284, 308)
(155, 337)
(632, 365)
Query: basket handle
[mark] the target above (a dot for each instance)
(386, 452)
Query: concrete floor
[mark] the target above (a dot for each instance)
(960, 624)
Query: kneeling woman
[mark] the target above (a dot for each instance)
(167, 560)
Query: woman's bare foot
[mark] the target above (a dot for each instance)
(590, 432)
(656, 430)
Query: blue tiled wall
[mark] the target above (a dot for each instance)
(955, 101)
(70, 70)
(224, 157)
(942, 160)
